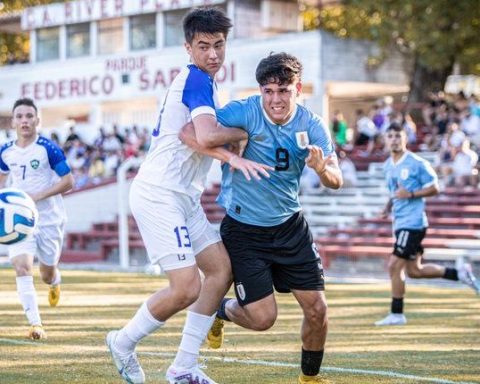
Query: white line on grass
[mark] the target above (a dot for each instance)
(285, 365)
(328, 369)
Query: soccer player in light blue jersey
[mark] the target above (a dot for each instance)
(410, 180)
(267, 238)
(165, 201)
(37, 166)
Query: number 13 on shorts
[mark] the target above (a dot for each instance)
(183, 237)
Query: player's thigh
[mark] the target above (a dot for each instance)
(49, 244)
(251, 270)
(26, 247)
(161, 219)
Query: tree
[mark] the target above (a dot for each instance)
(15, 46)
(433, 35)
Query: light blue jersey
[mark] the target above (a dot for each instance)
(269, 201)
(412, 173)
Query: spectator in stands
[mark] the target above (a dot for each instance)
(366, 132)
(410, 180)
(72, 136)
(463, 167)
(117, 134)
(348, 169)
(339, 128)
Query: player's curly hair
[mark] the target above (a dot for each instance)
(209, 20)
(280, 68)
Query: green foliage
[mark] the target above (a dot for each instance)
(16, 46)
(436, 33)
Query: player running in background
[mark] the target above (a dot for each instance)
(37, 166)
(267, 238)
(165, 200)
(410, 179)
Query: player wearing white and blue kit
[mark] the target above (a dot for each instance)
(165, 201)
(410, 179)
(267, 238)
(37, 166)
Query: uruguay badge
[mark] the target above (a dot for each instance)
(302, 139)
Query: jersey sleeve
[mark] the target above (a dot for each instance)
(56, 157)
(320, 135)
(198, 93)
(3, 167)
(427, 175)
(234, 114)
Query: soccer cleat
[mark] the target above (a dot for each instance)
(466, 276)
(54, 295)
(393, 319)
(216, 334)
(304, 379)
(187, 376)
(128, 366)
(37, 332)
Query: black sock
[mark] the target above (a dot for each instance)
(221, 311)
(451, 274)
(397, 305)
(311, 362)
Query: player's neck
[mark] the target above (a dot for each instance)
(397, 155)
(23, 142)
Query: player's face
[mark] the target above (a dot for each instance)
(207, 52)
(279, 101)
(25, 121)
(396, 141)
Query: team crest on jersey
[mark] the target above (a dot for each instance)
(34, 164)
(302, 139)
(241, 291)
(404, 174)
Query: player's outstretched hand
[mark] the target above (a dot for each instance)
(249, 168)
(316, 159)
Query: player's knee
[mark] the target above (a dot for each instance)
(262, 320)
(414, 273)
(317, 313)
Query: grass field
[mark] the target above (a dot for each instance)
(441, 343)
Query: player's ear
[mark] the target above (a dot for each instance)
(188, 47)
(299, 88)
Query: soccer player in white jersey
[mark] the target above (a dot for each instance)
(37, 166)
(165, 201)
(267, 237)
(411, 179)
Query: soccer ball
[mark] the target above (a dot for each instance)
(18, 215)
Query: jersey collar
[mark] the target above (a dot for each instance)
(401, 160)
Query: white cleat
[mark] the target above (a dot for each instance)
(466, 276)
(128, 366)
(187, 376)
(392, 319)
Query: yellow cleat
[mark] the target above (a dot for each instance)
(54, 295)
(36, 333)
(304, 379)
(216, 334)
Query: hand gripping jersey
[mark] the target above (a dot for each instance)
(270, 201)
(169, 163)
(412, 173)
(34, 169)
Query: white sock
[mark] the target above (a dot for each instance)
(194, 333)
(141, 325)
(58, 277)
(28, 298)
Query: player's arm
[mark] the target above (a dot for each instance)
(327, 168)
(247, 167)
(65, 184)
(209, 133)
(387, 209)
(3, 179)
(431, 190)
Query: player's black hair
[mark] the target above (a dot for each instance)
(207, 20)
(280, 68)
(25, 101)
(395, 127)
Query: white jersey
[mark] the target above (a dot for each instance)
(34, 169)
(169, 163)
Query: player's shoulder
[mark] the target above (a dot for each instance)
(414, 158)
(6, 145)
(194, 75)
(49, 145)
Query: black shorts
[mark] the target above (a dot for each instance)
(283, 256)
(408, 243)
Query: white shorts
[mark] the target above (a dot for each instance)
(173, 226)
(45, 243)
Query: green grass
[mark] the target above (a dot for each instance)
(441, 340)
